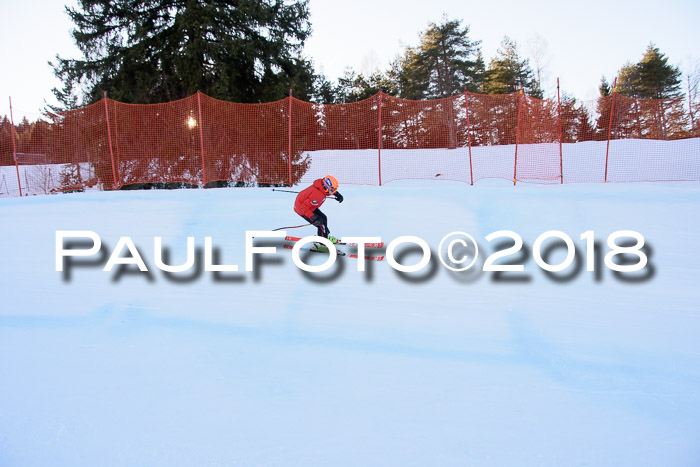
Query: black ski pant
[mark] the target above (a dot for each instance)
(322, 227)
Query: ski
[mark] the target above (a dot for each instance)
(339, 253)
(367, 245)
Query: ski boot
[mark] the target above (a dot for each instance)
(320, 247)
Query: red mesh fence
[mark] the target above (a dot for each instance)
(649, 141)
(199, 140)
(538, 156)
(245, 143)
(67, 151)
(493, 125)
(584, 133)
(424, 139)
(156, 143)
(336, 138)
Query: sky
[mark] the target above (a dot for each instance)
(582, 43)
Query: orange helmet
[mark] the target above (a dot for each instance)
(330, 184)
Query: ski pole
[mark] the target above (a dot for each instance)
(292, 227)
(286, 191)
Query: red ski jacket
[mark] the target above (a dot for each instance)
(310, 199)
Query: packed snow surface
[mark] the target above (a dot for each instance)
(280, 367)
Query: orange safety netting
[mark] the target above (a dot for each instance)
(198, 141)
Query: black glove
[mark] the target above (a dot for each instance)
(338, 197)
(316, 220)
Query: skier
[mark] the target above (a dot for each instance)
(309, 201)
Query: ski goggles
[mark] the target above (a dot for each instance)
(328, 184)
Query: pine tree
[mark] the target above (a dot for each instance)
(146, 51)
(6, 156)
(323, 90)
(650, 78)
(603, 108)
(576, 121)
(442, 65)
(508, 72)
(504, 76)
(353, 87)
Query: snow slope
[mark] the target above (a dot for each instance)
(343, 368)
